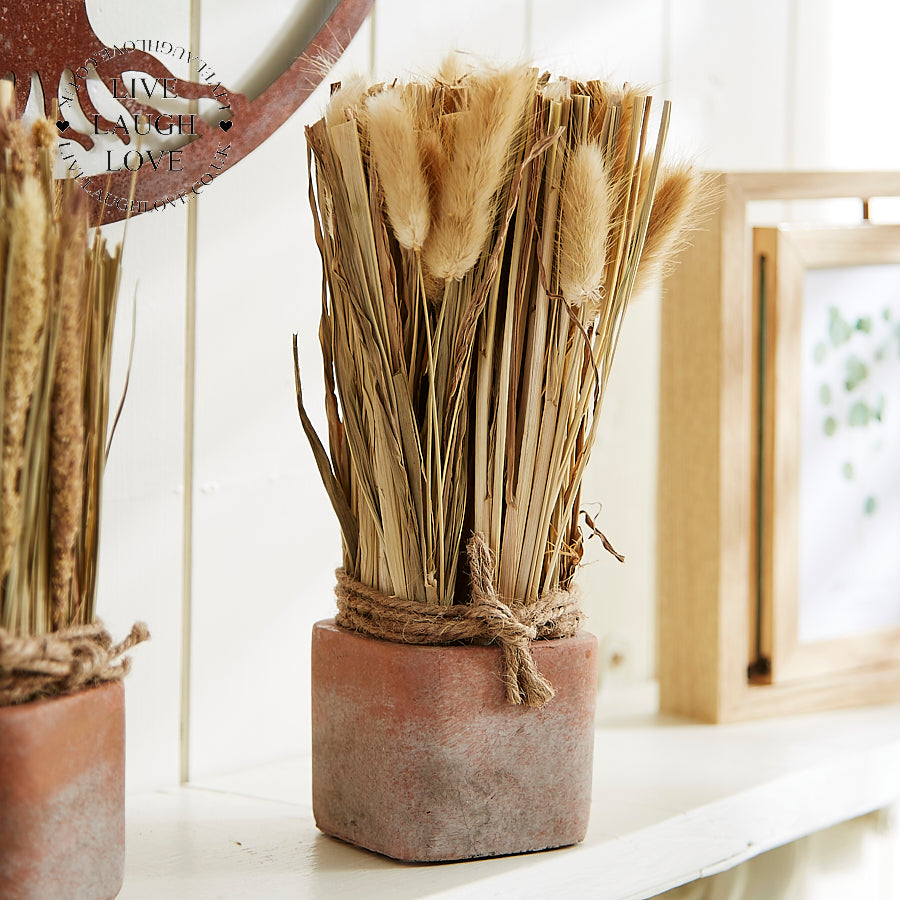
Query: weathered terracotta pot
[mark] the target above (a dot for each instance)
(417, 754)
(62, 796)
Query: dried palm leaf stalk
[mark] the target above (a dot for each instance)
(56, 315)
(481, 235)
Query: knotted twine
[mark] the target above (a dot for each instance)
(486, 619)
(62, 662)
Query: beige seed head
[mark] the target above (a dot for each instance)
(584, 226)
(677, 203)
(347, 101)
(481, 135)
(558, 90)
(455, 66)
(395, 152)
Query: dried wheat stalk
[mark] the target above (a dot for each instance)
(481, 234)
(58, 306)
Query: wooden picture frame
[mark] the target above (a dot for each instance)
(712, 568)
(803, 554)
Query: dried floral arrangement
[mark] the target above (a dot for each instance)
(59, 288)
(481, 235)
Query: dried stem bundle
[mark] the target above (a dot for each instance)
(56, 315)
(481, 235)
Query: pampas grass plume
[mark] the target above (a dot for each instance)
(455, 66)
(433, 155)
(584, 226)
(481, 141)
(677, 204)
(558, 90)
(346, 101)
(394, 149)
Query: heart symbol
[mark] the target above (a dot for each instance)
(224, 125)
(62, 126)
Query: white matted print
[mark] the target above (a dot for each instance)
(849, 472)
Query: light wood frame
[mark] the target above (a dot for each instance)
(707, 582)
(791, 251)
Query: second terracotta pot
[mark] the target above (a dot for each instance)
(62, 796)
(418, 756)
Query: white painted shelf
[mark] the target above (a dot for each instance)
(673, 801)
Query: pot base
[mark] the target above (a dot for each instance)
(62, 796)
(418, 756)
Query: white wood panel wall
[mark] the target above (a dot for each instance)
(141, 526)
(772, 84)
(265, 540)
(621, 42)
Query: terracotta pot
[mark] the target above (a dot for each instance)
(418, 756)
(62, 796)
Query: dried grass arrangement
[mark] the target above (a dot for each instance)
(481, 235)
(58, 305)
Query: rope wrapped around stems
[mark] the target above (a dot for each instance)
(487, 619)
(63, 661)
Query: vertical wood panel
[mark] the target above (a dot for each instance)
(846, 66)
(729, 65)
(141, 527)
(414, 38)
(619, 42)
(688, 552)
(265, 541)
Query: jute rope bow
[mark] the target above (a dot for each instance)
(62, 662)
(487, 619)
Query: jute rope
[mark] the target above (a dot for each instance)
(62, 662)
(487, 619)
